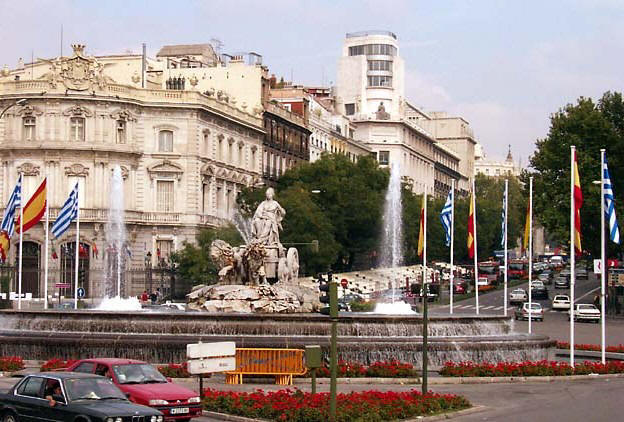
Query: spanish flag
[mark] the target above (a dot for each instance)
(34, 208)
(471, 231)
(578, 202)
(421, 233)
(527, 225)
(5, 245)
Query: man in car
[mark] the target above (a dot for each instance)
(51, 391)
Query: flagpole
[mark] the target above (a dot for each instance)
(505, 234)
(77, 249)
(19, 298)
(45, 277)
(474, 224)
(425, 296)
(603, 260)
(530, 252)
(572, 252)
(452, 230)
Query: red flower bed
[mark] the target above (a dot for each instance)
(11, 363)
(591, 347)
(174, 370)
(289, 405)
(56, 363)
(389, 369)
(528, 369)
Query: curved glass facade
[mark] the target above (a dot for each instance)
(373, 50)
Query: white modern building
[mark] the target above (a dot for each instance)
(495, 168)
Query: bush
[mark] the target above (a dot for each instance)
(288, 405)
(56, 363)
(11, 363)
(529, 369)
(174, 370)
(359, 306)
(389, 369)
(591, 347)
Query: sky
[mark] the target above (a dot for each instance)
(505, 66)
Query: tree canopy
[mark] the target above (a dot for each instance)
(589, 126)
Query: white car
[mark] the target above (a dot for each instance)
(561, 302)
(518, 296)
(585, 312)
(535, 311)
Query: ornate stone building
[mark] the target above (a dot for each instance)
(183, 155)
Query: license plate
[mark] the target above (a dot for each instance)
(179, 410)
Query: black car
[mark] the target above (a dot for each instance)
(69, 396)
(539, 291)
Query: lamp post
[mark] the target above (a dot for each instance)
(20, 102)
(148, 269)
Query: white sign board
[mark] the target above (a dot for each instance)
(597, 266)
(210, 350)
(483, 281)
(203, 366)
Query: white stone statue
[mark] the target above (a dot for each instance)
(267, 220)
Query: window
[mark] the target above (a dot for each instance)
(252, 165)
(29, 128)
(240, 155)
(376, 80)
(163, 250)
(165, 141)
(350, 109)
(77, 129)
(121, 132)
(219, 201)
(206, 143)
(205, 198)
(372, 49)
(164, 195)
(380, 65)
(384, 157)
(31, 387)
(85, 367)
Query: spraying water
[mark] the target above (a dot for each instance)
(116, 237)
(242, 224)
(392, 240)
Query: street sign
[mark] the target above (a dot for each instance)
(483, 281)
(62, 285)
(344, 282)
(211, 357)
(597, 266)
(81, 292)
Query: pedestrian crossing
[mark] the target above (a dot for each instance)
(472, 307)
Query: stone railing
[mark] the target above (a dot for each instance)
(100, 215)
(282, 112)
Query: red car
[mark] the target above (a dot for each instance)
(143, 384)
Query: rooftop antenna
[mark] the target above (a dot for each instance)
(61, 40)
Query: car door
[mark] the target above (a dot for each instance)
(85, 367)
(28, 398)
(45, 411)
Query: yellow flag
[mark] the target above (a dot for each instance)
(421, 233)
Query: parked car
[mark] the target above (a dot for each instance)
(65, 396)
(562, 282)
(518, 296)
(351, 297)
(561, 302)
(538, 290)
(585, 312)
(145, 385)
(534, 312)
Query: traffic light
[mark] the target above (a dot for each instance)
(81, 275)
(329, 295)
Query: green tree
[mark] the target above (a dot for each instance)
(193, 263)
(589, 126)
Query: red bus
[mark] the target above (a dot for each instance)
(489, 270)
(518, 268)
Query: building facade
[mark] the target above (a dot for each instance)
(183, 156)
(496, 168)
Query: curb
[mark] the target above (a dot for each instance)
(227, 417)
(462, 380)
(449, 415)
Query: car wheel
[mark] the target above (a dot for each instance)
(9, 417)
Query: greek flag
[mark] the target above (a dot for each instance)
(614, 232)
(503, 220)
(68, 213)
(15, 201)
(445, 217)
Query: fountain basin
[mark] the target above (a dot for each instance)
(364, 338)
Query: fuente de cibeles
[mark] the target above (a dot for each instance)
(260, 301)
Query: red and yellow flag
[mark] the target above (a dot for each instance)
(421, 233)
(5, 245)
(34, 208)
(578, 203)
(471, 231)
(527, 225)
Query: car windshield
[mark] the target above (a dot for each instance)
(587, 307)
(516, 266)
(488, 269)
(92, 389)
(562, 298)
(137, 373)
(518, 292)
(535, 306)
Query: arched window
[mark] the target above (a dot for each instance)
(165, 141)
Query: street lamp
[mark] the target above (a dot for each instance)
(20, 102)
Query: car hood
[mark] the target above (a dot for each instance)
(107, 408)
(163, 391)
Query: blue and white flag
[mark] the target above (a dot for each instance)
(15, 201)
(503, 220)
(445, 217)
(68, 213)
(614, 232)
